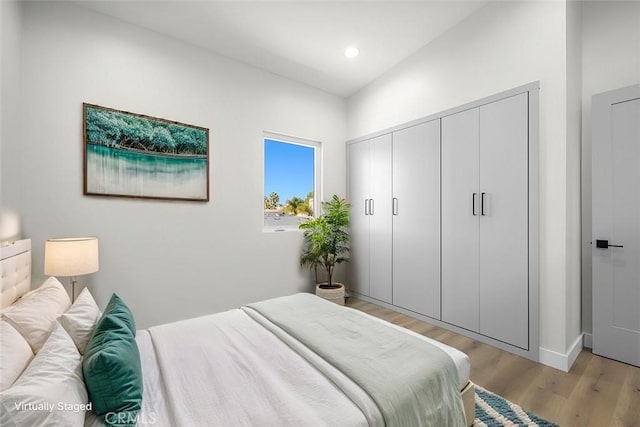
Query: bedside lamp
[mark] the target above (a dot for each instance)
(71, 257)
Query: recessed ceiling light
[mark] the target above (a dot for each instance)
(351, 52)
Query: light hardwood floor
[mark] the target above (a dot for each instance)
(596, 392)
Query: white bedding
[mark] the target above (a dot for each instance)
(247, 375)
(229, 370)
(461, 360)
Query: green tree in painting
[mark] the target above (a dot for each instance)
(100, 129)
(136, 132)
(185, 140)
(122, 130)
(162, 140)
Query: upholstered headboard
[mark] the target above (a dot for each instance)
(15, 271)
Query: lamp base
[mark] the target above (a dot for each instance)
(73, 289)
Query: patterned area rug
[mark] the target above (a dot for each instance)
(493, 411)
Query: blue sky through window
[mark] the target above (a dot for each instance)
(288, 169)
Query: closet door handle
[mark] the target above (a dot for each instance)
(366, 206)
(371, 206)
(395, 206)
(473, 204)
(482, 204)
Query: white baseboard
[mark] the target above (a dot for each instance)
(588, 340)
(561, 361)
(575, 350)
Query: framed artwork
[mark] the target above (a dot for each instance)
(133, 155)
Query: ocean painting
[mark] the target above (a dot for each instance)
(133, 155)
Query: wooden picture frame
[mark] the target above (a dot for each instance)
(138, 156)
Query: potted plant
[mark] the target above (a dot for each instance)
(326, 245)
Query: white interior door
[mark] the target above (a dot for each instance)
(416, 218)
(359, 172)
(616, 224)
(504, 208)
(380, 222)
(460, 224)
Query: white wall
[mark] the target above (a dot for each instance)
(168, 260)
(574, 121)
(501, 46)
(10, 20)
(610, 60)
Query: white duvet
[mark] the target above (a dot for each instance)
(227, 369)
(231, 372)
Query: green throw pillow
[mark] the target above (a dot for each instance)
(111, 366)
(117, 308)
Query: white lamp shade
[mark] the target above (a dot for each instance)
(72, 256)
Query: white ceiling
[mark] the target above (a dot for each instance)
(301, 40)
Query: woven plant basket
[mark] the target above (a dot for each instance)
(334, 295)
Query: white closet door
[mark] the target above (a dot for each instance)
(359, 172)
(504, 256)
(380, 221)
(460, 224)
(416, 218)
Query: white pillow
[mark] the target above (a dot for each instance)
(51, 390)
(15, 354)
(34, 315)
(80, 320)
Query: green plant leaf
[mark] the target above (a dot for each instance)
(327, 237)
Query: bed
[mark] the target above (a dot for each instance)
(295, 360)
(15, 271)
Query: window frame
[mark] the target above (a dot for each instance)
(317, 172)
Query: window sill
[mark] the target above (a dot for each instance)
(280, 229)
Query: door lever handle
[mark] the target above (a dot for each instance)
(604, 244)
(473, 204)
(482, 204)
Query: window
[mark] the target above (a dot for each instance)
(291, 181)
